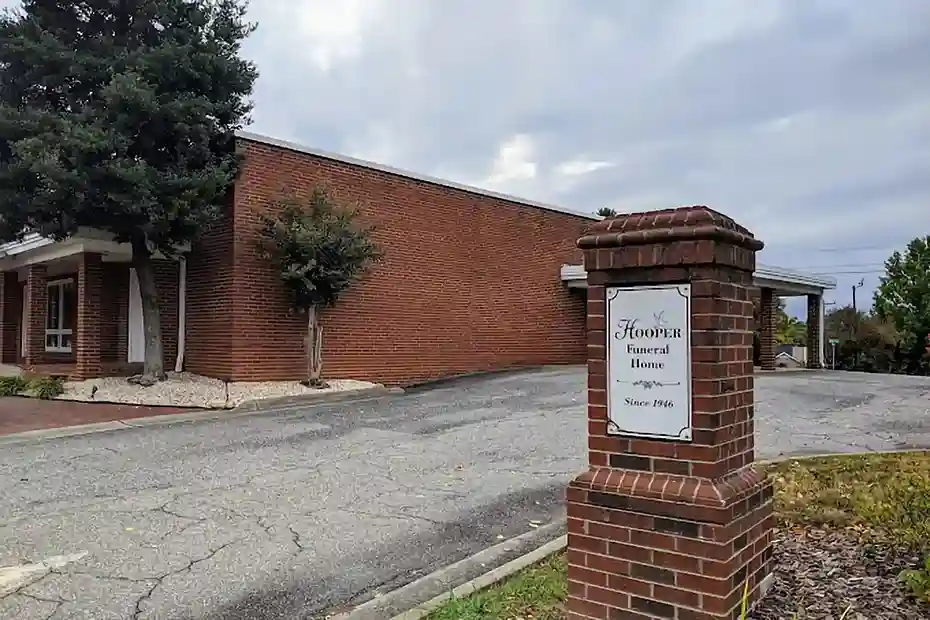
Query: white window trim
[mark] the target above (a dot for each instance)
(61, 308)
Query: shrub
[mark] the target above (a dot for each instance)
(12, 386)
(918, 581)
(47, 388)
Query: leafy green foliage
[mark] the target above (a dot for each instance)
(317, 247)
(918, 581)
(867, 342)
(903, 298)
(606, 212)
(12, 386)
(120, 116)
(46, 388)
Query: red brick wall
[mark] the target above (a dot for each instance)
(453, 294)
(113, 312)
(208, 349)
(166, 278)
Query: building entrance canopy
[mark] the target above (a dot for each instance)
(772, 283)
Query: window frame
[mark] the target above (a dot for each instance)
(59, 286)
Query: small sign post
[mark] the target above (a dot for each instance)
(833, 342)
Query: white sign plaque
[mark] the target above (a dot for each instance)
(649, 361)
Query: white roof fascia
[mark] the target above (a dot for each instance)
(765, 275)
(32, 241)
(790, 276)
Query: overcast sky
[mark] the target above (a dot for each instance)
(806, 120)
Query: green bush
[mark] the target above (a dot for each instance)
(12, 386)
(47, 388)
(918, 581)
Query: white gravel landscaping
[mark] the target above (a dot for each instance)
(189, 390)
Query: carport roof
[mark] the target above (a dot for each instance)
(784, 282)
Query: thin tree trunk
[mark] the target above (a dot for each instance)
(314, 349)
(154, 368)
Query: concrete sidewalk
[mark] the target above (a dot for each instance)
(18, 414)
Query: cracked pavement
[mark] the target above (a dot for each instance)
(311, 510)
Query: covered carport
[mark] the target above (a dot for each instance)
(772, 283)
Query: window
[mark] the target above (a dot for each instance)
(59, 314)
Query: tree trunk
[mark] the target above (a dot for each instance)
(314, 349)
(154, 368)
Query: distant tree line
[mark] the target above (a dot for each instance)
(893, 337)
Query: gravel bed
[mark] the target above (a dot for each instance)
(189, 390)
(819, 574)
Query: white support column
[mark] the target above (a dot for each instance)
(821, 318)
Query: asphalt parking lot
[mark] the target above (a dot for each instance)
(304, 511)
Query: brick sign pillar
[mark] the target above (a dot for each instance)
(672, 520)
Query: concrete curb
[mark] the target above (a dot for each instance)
(167, 419)
(418, 598)
(289, 402)
(474, 377)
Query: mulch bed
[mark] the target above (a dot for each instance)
(819, 574)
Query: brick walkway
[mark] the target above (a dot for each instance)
(29, 414)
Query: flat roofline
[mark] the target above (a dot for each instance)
(764, 275)
(783, 274)
(423, 178)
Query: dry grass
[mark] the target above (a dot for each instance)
(887, 496)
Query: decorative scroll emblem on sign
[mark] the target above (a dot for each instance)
(649, 361)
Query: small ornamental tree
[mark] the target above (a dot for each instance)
(319, 251)
(121, 117)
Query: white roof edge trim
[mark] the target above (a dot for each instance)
(31, 241)
(573, 272)
(771, 272)
(291, 146)
(763, 272)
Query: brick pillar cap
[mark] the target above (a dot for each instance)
(695, 223)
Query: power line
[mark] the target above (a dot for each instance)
(849, 266)
(858, 272)
(861, 248)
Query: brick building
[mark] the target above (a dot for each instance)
(451, 295)
(471, 280)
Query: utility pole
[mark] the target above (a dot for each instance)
(856, 318)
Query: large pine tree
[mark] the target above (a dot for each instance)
(120, 115)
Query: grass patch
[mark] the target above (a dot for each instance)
(534, 594)
(883, 496)
(887, 496)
